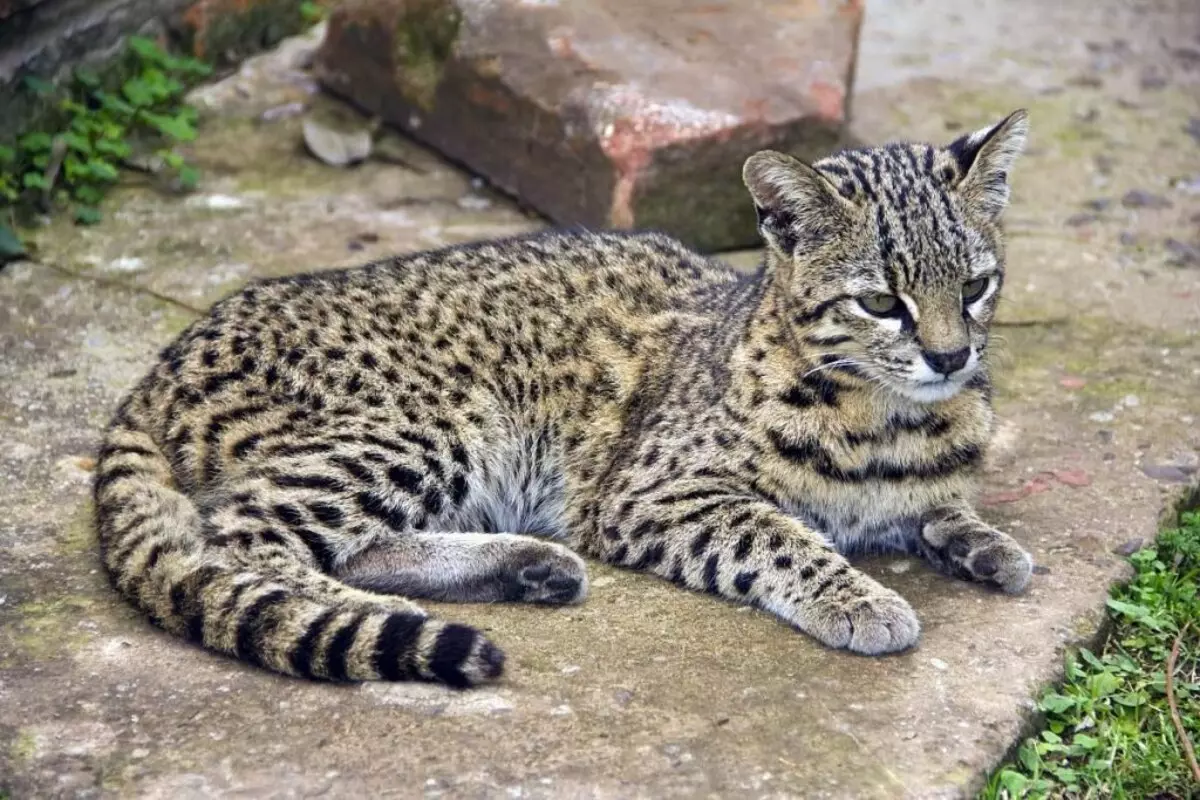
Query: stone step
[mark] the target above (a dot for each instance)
(608, 113)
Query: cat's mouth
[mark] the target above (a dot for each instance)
(932, 391)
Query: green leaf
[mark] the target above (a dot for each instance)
(1013, 782)
(78, 143)
(1056, 703)
(114, 148)
(1064, 774)
(102, 170)
(1131, 610)
(1090, 658)
(7, 155)
(88, 194)
(110, 102)
(1085, 742)
(147, 49)
(175, 127)
(35, 180)
(1051, 737)
(138, 92)
(38, 86)
(87, 215)
(1131, 699)
(11, 246)
(1029, 757)
(36, 142)
(1103, 683)
(171, 158)
(189, 178)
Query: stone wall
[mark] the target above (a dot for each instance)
(47, 39)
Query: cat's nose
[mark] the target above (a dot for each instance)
(948, 362)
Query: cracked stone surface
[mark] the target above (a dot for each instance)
(644, 690)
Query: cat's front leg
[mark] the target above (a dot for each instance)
(955, 540)
(748, 551)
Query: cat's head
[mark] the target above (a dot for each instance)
(890, 259)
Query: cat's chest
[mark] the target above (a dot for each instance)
(868, 489)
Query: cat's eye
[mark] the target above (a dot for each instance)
(973, 290)
(881, 305)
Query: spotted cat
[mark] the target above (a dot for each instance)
(321, 450)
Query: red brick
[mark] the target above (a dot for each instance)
(621, 113)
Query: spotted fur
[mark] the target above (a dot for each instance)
(321, 450)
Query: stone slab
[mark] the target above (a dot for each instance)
(644, 691)
(606, 113)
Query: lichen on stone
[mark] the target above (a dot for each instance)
(425, 40)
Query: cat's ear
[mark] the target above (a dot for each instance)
(797, 207)
(983, 160)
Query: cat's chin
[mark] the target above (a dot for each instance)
(929, 392)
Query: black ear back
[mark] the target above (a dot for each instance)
(984, 159)
(795, 204)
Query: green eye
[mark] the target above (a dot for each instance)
(973, 290)
(881, 305)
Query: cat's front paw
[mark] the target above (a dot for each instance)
(872, 622)
(999, 561)
(545, 572)
(979, 553)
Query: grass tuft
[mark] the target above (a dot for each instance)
(1108, 730)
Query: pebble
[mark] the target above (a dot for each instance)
(1171, 473)
(1099, 203)
(1152, 80)
(217, 201)
(1102, 416)
(1127, 238)
(1140, 198)
(1131, 401)
(1082, 218)
(939, 664)
(1129, 548)
(1041, 569)
(1184, 254)
(1193, 128)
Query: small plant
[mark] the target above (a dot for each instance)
(312, 12)
(100, 129)
(1111, 730)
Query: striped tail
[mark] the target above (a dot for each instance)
(300, 623)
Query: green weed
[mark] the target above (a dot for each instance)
(99, 129)
(1108, 730)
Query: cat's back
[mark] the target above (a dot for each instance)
(572, 270)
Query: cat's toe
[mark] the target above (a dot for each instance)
(877, 623)
(883, 624)
(1004, 564)
(553, 575)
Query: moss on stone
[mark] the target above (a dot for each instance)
(24, 747)
(231, 35)
(424, 42)
(49, 628)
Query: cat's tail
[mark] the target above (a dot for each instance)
(297, 622)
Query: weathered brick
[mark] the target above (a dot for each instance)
(621, 113)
